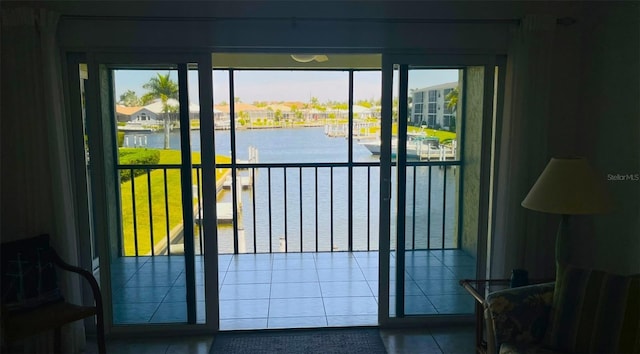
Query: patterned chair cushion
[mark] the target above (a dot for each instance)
(520, 315)
(595, 312)
(513, 348)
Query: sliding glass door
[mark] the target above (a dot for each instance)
(151, 146)
(437, 114)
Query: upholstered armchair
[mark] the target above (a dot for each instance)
(585, 311)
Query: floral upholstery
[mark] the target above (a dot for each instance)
(518, 316)
(585, 311)
(512, 348)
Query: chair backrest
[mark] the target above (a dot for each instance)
(28, 275)
(595, 311)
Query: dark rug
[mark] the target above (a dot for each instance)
(312, 341)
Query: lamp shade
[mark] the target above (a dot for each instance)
(568, 186)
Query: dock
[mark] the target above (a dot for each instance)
(224, 211)
(361, 129)
(244, 182)
(441, 154)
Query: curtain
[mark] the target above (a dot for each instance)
(37, 187)
(523, 238)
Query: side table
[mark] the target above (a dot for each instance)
(478, 288)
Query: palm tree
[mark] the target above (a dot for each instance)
(244, 117)
(314, 102)
(452, 98)
(410, 97)
(278, 115)
(452, 104)
(164, 88)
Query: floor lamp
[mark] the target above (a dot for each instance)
(567, 186)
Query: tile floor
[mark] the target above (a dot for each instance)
(435, 340)
(292, 290)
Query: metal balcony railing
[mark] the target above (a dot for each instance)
(287, 207)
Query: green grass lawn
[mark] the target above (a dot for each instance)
(174, 202)
(442, 135)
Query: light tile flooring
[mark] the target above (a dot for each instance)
(292, 290)
(442, 339)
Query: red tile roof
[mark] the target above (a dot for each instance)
(127, 110)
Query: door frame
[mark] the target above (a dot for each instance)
(99, 65)
(106, 216)
(434, 61)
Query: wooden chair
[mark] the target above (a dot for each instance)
(31, 300)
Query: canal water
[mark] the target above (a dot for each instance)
(316, 201)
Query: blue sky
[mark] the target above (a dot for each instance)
(283, 85)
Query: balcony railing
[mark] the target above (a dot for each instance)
(287, 207)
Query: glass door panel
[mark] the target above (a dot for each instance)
(154, 276)
(433, 156)
(430, 162)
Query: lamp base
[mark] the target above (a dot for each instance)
(563, 250)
